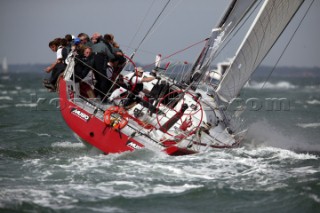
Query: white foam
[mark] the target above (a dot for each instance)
(5, 98)
(43, 134)
(43, 90)
(305, 170)
(308, 125)
(316, 198)
(281, 154)
(313, 102)
(14, 92)
(20, 130)
(24, 194)
(28, 91)
(287, 154)
(268, 85)
(4, 106)
(107, 176)
(27, 105)
(5, 77)
(312, 87)
(67, 144)
(160, 188)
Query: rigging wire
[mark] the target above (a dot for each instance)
(155, 21)
(138, 29)
(284, 50)
(129, 47)
(177, 52)
(164, 18)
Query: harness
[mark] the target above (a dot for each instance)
(134, 87)
(109, 70)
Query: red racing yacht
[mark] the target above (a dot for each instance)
(183, 114)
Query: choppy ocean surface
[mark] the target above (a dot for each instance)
(43, 168)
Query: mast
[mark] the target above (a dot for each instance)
(269, 24)
(232, 17)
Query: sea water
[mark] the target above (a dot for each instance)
(44, 168)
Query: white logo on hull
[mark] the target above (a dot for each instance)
(80, 114)
(133, 145)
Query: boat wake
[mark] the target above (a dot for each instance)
(132, 176)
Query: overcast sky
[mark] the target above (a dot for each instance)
(28, 26)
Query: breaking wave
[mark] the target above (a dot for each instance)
(268, 85)
(67, 144)
(26, 105)
(4, 106)
(262, 133)
(6, 98)
(68, 178)
(313, 102)
(308, 125)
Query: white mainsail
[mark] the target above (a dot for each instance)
(272, 19)
(4, 65)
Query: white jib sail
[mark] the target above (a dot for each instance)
(271, 20)
(235, 13)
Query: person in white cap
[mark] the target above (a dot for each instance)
(134, 82)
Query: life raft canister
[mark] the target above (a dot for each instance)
(116, 117)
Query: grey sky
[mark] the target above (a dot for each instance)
(28, 26)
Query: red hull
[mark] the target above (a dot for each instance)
(91, 129)
(96, 133)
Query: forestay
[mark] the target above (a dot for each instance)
(272, 19)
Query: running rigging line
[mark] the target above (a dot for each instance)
(177, 52)
(155, 21)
